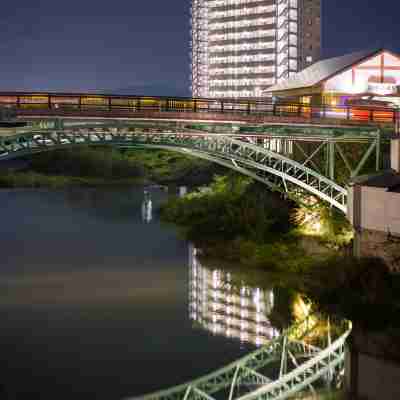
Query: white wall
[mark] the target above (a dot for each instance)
(395, 154)
(380, 210)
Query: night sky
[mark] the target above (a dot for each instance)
(142, 47)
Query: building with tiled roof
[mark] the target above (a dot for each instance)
(370, 75)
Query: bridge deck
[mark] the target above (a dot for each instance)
(239, 110)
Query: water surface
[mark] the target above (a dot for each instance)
(95, 298)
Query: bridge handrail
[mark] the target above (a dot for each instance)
(230, 367)
(86, 101)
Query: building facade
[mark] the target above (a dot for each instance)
(370, 78)
(242, 47)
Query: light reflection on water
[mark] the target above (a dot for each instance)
(94, 299)
(226, 309)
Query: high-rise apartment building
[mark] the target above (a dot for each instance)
(241, 47)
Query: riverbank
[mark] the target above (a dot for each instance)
(101, 166)
(271, 242)
(239, 221)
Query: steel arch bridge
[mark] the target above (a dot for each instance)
(245, 379)
(236, 152)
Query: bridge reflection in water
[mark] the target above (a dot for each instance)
(224, 308)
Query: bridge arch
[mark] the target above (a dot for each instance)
(274, 170)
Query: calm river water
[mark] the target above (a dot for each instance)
(99, 300)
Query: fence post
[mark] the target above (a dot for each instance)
(222, 106)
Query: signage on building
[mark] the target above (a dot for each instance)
(382, 88)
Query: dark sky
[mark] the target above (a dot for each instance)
(141, 45)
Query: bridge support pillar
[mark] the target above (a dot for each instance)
(331, 160)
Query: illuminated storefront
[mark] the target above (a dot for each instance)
(225, 309)
(362, 78)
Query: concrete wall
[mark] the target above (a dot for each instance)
(380, 210)
(375, 215)
(371, 378)
(395, 154)
(370, 243)
(372, 366)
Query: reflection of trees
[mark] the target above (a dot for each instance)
(281, 314)
(108, 204)
(222, 307)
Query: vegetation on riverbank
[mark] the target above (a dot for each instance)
(269, 242)
(93, 166)
(238, 220)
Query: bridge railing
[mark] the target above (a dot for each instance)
(25, 102)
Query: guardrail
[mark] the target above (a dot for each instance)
(80, 102)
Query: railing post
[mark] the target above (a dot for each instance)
(195, 106)
(109, 104)
(348, 113)
(378, 150)
(80, 103)
(248, 108)
(222, 106)
(49, 102)
(138, 104)
(274, 109)
(18, 102)
(371, 115)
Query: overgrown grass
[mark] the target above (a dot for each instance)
(103, 165)
(30, 179)
(240, 221)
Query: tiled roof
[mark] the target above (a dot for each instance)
(322, 70)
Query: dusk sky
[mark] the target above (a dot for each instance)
(79, 45)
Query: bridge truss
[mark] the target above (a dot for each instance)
(300, 365)
(242, 153)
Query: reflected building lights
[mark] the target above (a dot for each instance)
(221, 308)
(147, 207)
